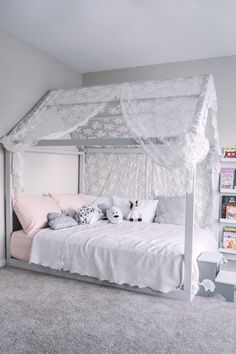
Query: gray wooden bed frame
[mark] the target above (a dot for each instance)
(184, 293)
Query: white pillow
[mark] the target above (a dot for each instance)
(147, 208)
(102, 203)
(171, 210)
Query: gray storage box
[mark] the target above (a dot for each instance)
(209, 266)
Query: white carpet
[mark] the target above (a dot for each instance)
(45, 314)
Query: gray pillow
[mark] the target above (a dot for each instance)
(171, 210)
(52, 216)
(59, 221)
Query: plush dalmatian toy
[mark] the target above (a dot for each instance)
(134, 214)
(114, 215)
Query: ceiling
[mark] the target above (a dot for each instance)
(96, 35)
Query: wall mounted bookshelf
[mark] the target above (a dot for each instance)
(227, 221)
(226, 163)
(227, 191)
(227, 159)
(226, 250)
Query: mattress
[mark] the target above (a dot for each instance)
(20, 245)
(137, 254)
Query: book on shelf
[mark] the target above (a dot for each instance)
(227, 200)
(229, 152)
(228, 178)
(229, 237)
(231, 212)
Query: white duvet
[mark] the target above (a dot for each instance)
(137, 254)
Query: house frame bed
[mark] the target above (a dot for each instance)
(106, 145)
(182, 294)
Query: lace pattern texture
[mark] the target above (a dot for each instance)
(179, 114)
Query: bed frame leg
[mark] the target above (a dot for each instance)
(8, 206)
(189, 234)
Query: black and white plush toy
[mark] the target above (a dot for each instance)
(88, 214)
(134, 214)
(114, 215)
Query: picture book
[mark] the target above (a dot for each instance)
(229, 152)
(230, 229)
(231, 212)
(227, 200)
(227, 177)
(229, 238)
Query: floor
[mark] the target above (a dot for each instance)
(45, 314)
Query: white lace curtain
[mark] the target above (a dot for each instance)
(136, 176)
(174, 121)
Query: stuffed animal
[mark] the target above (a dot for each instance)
(114, 215)
(134, 214)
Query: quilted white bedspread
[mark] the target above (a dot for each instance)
(138, 254)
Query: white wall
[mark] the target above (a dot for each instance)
(50, 173)
(224, 73)
(25, 75)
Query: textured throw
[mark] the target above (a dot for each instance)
(141, 254)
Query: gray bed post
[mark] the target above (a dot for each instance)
(8, 205)
(81, 172)
(189, 235)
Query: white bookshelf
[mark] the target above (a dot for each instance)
(226, 250)
(227, 221)
(227, 191)
(227, 159)
(230, 254)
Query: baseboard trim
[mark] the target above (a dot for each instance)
(2, 263)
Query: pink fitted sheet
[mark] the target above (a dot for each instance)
(20, 245)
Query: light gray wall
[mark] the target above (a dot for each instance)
(223, 70)
(50, 173)
(25, 75)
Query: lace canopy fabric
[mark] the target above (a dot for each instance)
(173, 121)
